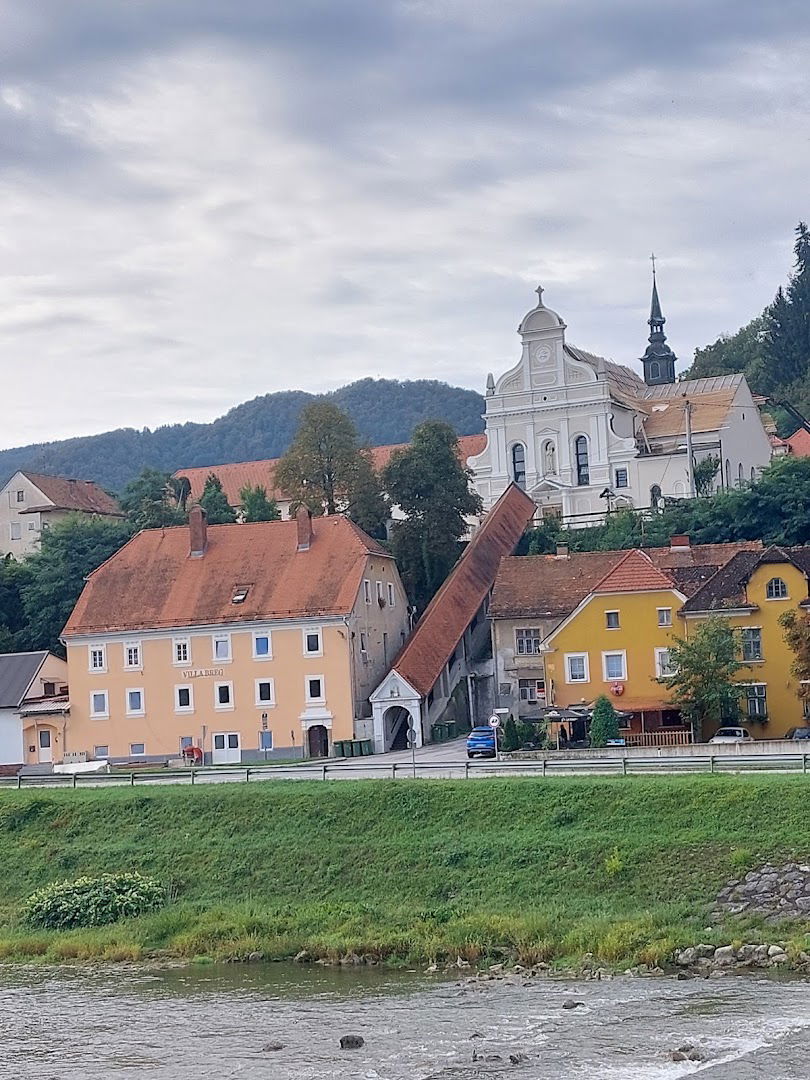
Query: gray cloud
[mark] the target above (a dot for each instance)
(208, 201)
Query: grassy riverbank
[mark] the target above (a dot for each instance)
(408, 871)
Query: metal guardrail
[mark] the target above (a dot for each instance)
(708, 764)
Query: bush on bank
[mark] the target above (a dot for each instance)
(92, 901)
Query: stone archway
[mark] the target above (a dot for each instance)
(395, 727)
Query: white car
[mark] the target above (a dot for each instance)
(731, 734)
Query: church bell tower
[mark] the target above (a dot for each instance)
(658, 359)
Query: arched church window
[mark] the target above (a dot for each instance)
(581, 455)
(655, 369)
(728, 473)
(655, 497)
(519, 464)
(740, 475)
(549, 459)
(753, 475)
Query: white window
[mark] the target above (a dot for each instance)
(314, 686)
(183, 699)
(20, 496)
(622, 478)
(528, 642)
(222, 648)
(265, 740)
(614, 665)
(776, 589)
(265, 693)
(135, 706)
(101, 752)
(532, 691)
(223, 695)
(99, 705)
(390, 594)
(182, 650)
(576, 667)
(15, 530)
(137, 749)
(380, 599)
(663, 663)
(185, 742)
(313, 645)
(756, 703)
(665, 616)
(97, 657)
(367, 590)
(751, 638)
(612, 620)
(32, 525)
(262, 647)
(132, 655)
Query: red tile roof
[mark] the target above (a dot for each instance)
(447, 616)
(550, 587)
(152, 582)
(636, 572)
(67, 494)
(799, 443)
(252, 473)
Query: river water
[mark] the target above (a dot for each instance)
(212, 1022)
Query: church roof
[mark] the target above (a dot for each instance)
(690, 387)
(624, 383)
(540, 317)
(668, 417)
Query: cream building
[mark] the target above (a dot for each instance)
(31, 502)
(233, 643)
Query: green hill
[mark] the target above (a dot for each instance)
(383, 410)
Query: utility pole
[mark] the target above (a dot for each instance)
(690, 460)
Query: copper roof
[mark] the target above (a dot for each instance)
(546, 586)
(450, 612)
(634, 573)
(152, 582)
(242, 474)
(68, 494)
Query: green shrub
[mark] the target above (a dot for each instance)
(604, 722)
(92, 901)
(511, 741)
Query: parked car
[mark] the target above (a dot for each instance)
(731, 734)
(798, 733)
(481, 742)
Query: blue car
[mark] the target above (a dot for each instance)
(481, 742)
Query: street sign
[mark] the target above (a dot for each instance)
(494, 721)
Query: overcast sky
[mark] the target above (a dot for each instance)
(206, 200)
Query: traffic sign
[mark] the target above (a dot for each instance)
(494, 721)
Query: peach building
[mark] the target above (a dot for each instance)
(246, 642)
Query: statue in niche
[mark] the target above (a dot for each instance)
(549, 459)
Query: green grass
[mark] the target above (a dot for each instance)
(405, 871)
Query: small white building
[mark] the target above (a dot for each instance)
(582, 434)
(33, 707)
(31, 502)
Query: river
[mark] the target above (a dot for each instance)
(197, 1023)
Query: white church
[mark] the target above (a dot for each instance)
(583, 435)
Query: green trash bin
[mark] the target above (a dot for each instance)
(357, 748)
(340, 748)
(366, 747)
(451, 729)
(348, 748)
(439, 732)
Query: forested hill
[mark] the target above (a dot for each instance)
(383, 410)
(773, 350)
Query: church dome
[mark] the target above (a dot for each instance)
(541, 317)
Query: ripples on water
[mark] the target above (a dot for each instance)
(203, 1023)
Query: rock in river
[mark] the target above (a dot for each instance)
(351, 1042)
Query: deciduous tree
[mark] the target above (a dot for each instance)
(153, 500)
(796, 630)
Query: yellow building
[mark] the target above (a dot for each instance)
(752, 591)
(616, 642)
(232, 643)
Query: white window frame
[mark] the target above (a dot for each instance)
(659, 666)
(304, 634)
(137, 753)
(178, 708)
(380, 596)
(101, 757)
(763, 698)
(614, 678)
(752, 659)
(367, 590)
(577, 656)
(533, 694)
(787, 591)
(314, 700)
(618, 626)
(265, 732)
(90, 666)
(15, 525)
(221, 659)
(664, 616)
(100, 715)
(271, 704)
(20, 495)
(132, 645)
(227, 706)
(263, 634)
(535, 640)
(621, 469)
(391, 594)
(176, 643)
(134, 690)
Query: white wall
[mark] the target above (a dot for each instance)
(11, 740)
(10, 516)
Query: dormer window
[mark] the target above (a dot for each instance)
(240, 594)
(776, 589)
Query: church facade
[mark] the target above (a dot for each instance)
(583, 435)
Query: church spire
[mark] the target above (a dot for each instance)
(658, 359)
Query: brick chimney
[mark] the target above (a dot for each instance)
(679, 543)
(303, 519)
(197, 532)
